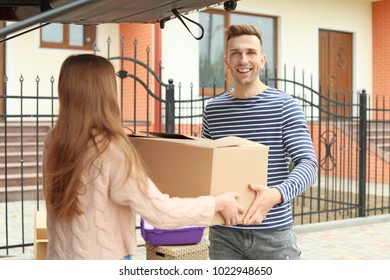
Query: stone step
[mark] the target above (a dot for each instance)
(17, 168)
(15, 193)
(385, 147)
(27, 137)
(379, 136)
(28, 179)
(18, 157)
(13, 147)
(17, 127)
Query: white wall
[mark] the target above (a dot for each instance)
(180, 52)
(24, 58)
(299, 22)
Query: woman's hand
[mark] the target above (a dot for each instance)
(227, 205)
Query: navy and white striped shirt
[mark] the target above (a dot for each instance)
(272, 118)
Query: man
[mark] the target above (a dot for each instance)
(254, 111)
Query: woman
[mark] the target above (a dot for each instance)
(94, 181)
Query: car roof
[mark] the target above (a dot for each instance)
(30, 12)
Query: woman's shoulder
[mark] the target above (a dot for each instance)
(114, 150)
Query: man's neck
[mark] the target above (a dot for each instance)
(244, 92)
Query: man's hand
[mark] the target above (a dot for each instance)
(265, 199)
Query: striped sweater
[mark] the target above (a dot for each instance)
(272, 118)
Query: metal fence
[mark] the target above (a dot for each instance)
(352, 143)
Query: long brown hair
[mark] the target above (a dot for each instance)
(89, 118)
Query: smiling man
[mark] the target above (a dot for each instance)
(265, 115)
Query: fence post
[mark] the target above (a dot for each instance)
(170, 108)
(362, 152)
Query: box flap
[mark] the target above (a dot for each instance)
(166, 135)
(225, 142)
(237, 141)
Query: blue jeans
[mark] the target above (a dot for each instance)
(128, 258)
(237, 244)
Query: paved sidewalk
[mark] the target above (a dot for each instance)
(353, 239)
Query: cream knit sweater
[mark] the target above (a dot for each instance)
(106, 230)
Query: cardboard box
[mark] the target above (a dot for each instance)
(199, 251)
(40, 235)
(183, 166)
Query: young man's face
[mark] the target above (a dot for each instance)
(244, 59)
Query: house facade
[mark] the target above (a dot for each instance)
(342, 43)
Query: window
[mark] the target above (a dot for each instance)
(68, 36)
(211, 53)
(212, 47)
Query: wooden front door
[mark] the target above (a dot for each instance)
(335, 70)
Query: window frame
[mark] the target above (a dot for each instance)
(88, 31)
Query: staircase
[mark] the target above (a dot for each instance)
(378, 137)
(21, 160)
